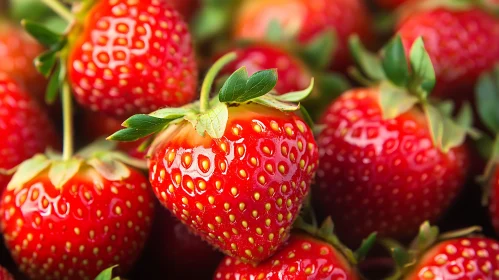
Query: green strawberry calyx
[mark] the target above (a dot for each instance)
(100, 156)
(405, 85)
(210, 116)
(107, 274)
(487, 100)
(406, 258)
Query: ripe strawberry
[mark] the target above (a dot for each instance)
(306, 19)
(24, 128)
(124, 57)
(293, 74)
(17, 52)
(237, 169)
(187, 8)
(471, 45)
(382, 167)
(302, 257)
(454, 255)
(173, 250)
(5, 275)
(75, 225)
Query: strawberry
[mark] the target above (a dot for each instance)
(317, 255)
(187, 8)
(122, 57)
(385, 144)
(25, 128)
(293, 74)
(306, 19)
(4, 274)
(454, 255)
(471, 45)
(234, 169)
(173, 250)
(391, 4)
(73, 218)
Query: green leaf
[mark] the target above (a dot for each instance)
(427, 236)
(53, 86)
(109, 168)
(445, 132)
(129, 135)
(318, 53)
(28, 170)
(274, 31)
(368, 62)
(171, 113)
(487, 99)
(365, 247)
(234, 86)
(399, 254)
(41, 33)
(446, 107)
(107, 274)
(395, 62)
(61, 172)
(270, 101)
(45, 62)
(141, 121)
(435, 123)
(422, 66)
(212, 122)
(395, 101)
(296, 96)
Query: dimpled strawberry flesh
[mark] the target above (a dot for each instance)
(301, 258)
(382, 175)
(76, 232)
(242, 192)
(463, 258)
(132, 57)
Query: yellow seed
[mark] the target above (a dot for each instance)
(199, 206)
(256, 196)
(233, 190)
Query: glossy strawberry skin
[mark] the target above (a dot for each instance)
(346, 17)
(5, 275)
(76, 232)
(241, 193)
(132, 57)
(302, 257)
(293, 74)
(25, 128)
(174, 251)
(382, 175)
(461, 44)
(17, 52)
(462, 258)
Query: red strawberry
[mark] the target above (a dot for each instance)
(75, 226)
(187, 8)
(302, 257)
(306, 19)
(5, 275)
(236, 168)
(461, 43)
(390, 4)
(174, 251)
(17, 52)
(293, 74)
(25, 129)
(133, 56)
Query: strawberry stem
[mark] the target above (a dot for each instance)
(59, 9)
(210, 78)
(67, 113)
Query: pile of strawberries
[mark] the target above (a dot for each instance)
(249, 139)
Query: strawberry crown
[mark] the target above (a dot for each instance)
(211, 116)
(487, 100)
(107, 274)
(402, 87)
(406, 258)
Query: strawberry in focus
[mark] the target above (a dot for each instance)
(78, 227)
(306, 19)
(236, 168)
(462, 43)
(293, 74)
(128, 57)
(25, 128)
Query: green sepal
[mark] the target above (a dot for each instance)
(427, 236)
(395, 63)
(213, 122)
(306, 117)
(171, 113)
(460, 233)
(369, 63)
(107, 274)
(318, 53)
(240, 88)
(53, 86)
(422, 68)
(400, 255)
(28, 170)
(272, 102)
(42, 34)
(366, 246)
(140, 126)
(46, 62)
(465, 120)
(394, 100)
(61, 172)
(296, 96)
(487, 99)
(446, 133)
